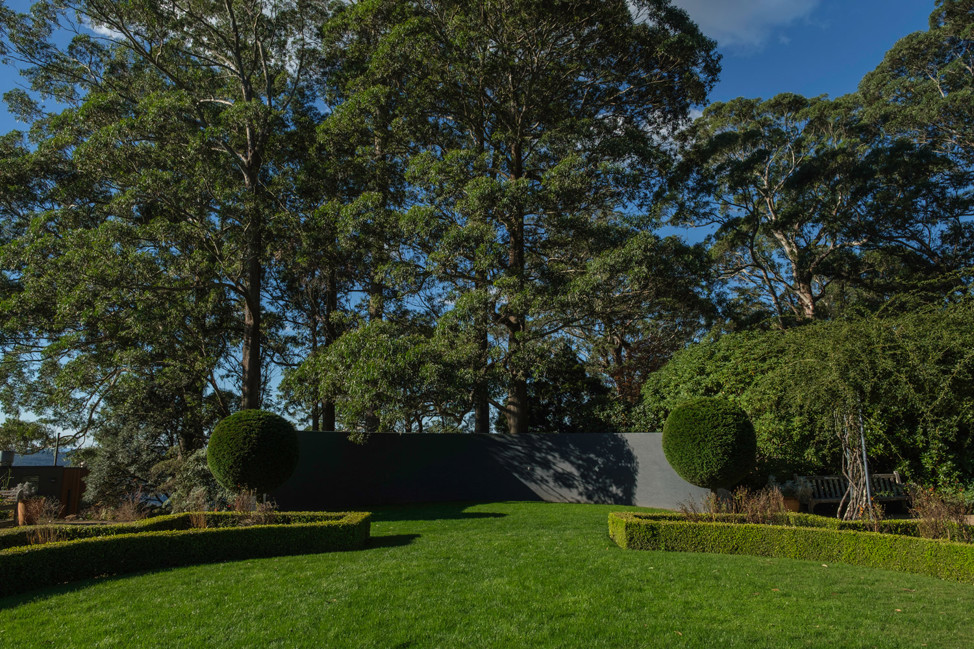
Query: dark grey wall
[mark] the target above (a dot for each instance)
(619, 469)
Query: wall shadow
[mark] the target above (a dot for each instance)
(598, 468)
(428, 512)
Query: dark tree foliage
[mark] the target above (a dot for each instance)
(813, 204)
(543, 126)
(565, 397)
(925, 85)
(433, 216)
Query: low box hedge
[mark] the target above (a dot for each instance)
(943, 559)
(903, 527)
(18, 536)
(169, 541)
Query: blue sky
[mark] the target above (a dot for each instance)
(810, 47)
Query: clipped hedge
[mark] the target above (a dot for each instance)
(17, 536)
(903, 527)
(252, 449)
(168, 541)
(710, 442)
(944, 559)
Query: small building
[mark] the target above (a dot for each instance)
(65, 484)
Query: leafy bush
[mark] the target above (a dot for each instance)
(252, 449)
(114, 551)
(943, 559)
(912, 374)
(709, 442)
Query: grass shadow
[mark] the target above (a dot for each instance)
(427, 512)
(390, 541)
(46, 592)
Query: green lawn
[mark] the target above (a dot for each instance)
(498, 575)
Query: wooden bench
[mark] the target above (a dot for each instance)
(886, 488)
(10, 499)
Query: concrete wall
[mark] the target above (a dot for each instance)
(620, 469)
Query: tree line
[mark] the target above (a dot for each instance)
(433, 216)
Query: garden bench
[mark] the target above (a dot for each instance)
(10, 499)
(886, 488)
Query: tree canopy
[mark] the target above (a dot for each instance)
(447, 216)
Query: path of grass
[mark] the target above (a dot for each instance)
(498, 575)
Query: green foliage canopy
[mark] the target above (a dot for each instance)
(541, 132)
(24, 437)
(910, 373)
(804, 192)
(925, 85)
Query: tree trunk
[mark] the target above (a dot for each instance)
(376, 309)
(328, 416)
(331, 306)
(516, 409)
(313, 326)
(250, 388)
(481, 393)
(806, 298)
(322, 334)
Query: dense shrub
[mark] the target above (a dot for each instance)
(253, 449)
(912, 374)
(709, 442)
(943, 559)
(115, 552)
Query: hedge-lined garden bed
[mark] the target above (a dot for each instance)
(901, 526)
(806, 539)
(18, 536)
(169, 541)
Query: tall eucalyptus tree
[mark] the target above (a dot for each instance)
(799, 190)
(180, 109)
(543, 125)
(925, 85)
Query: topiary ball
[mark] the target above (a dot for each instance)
(710, 442)
(252, 449)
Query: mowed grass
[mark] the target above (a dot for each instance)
(497, 575)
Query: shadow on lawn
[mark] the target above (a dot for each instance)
(427, 512)
(46, 592)
(390, 541)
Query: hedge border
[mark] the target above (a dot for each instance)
(19, 536)
(903, 527)
(142, 546)
(944, 559)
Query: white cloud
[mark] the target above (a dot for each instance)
(103, 30)
(745, 23)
